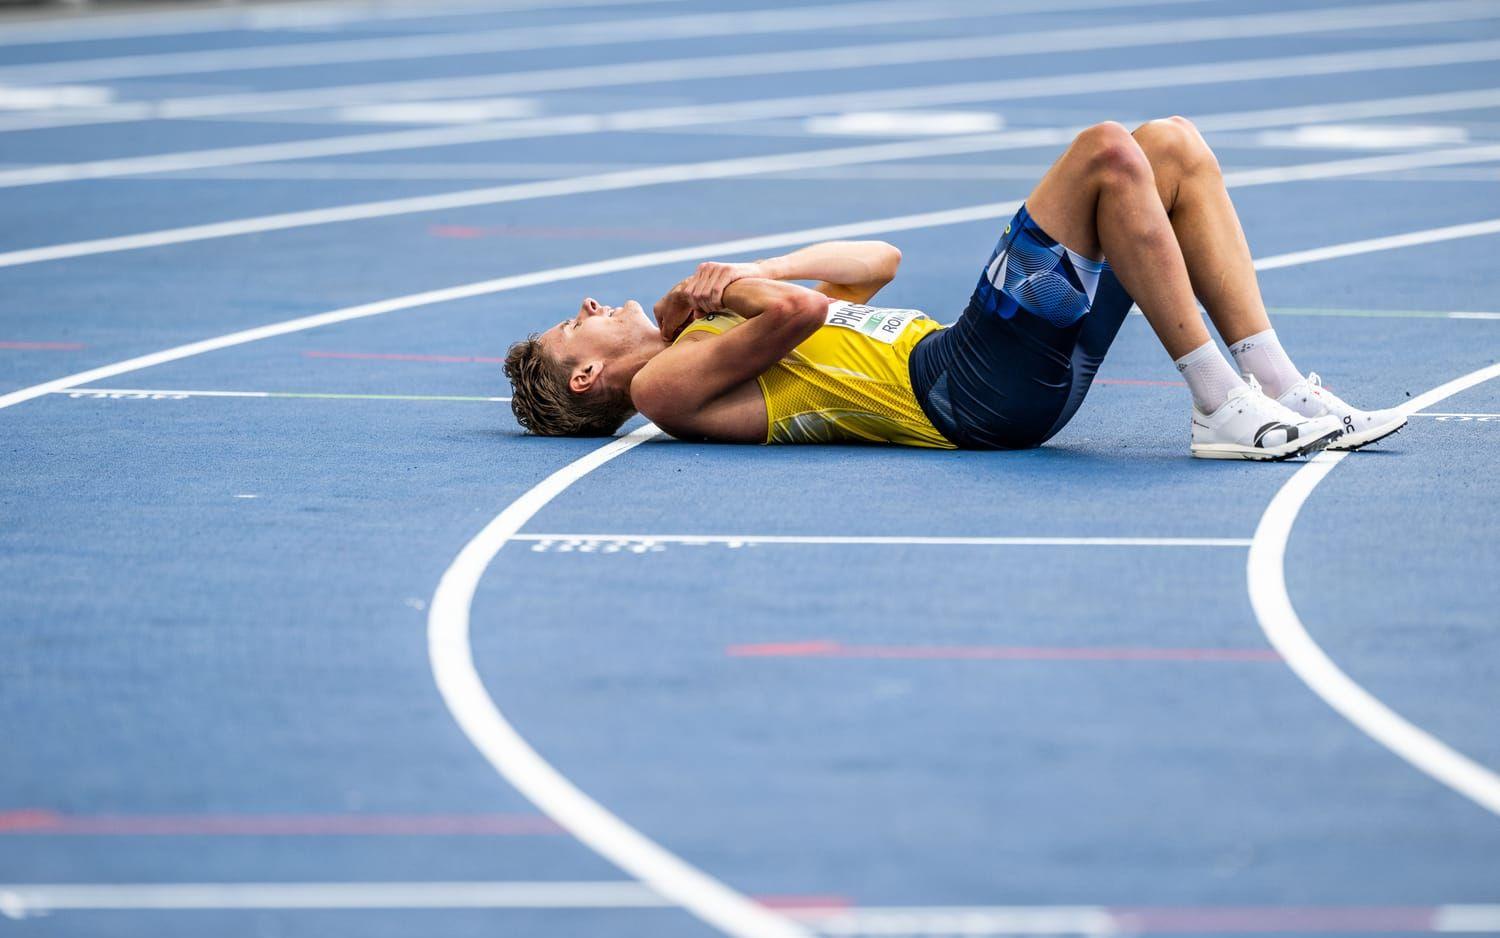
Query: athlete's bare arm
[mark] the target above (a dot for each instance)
(845, 270)
(705, 386)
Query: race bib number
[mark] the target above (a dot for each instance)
(873, 321)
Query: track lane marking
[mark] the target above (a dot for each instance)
(1265, 576)
(833, 58)
(96, 27)
(176, 394)
(688, 26)
(804, 105)
(458, 681)
(718, 169)
(914, 540)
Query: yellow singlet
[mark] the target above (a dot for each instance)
(847, 382)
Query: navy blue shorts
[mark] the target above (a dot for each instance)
(1015, 367)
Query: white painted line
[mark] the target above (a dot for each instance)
(20, 98)
(1483, 418)
(1266, 580)
(1388, 243)
(953, 921)
(1425, 56)
(714, 169)
(774, 63)
(904, 123)
(737, 540)
(1364, 136)
(96, 26)
(156, 394)
(1474, 315)
(464, 693)
(467, 111)
(19, 900)
(585, 32)
(570, 78)
(1467, 918)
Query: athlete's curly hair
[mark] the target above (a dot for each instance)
(544, 404)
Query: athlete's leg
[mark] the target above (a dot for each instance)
(1208, 230)
(1218, 261)
(1100, 197)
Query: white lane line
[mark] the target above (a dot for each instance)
(20, 900)
(714, 169)
(464, 693)
(745, 246)
(1387, 243)
(748, 539)
(1460, 417)
(1266, 580)
(1421, 56)
(584, 33)
(862, 56)
(170, 395)
(96, 26)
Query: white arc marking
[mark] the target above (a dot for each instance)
(1266, 579)
(531, 775)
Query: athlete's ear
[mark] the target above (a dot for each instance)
(584, 375)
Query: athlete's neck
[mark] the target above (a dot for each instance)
(627, 366)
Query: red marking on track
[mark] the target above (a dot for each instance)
(276, 825)
(43, 346)
(405, 357)
(553, 231)
(831, 903)
(826, 649)
(1291, 919)
(1141, 383)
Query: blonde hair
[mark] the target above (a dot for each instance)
(544, 403)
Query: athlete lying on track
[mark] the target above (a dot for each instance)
(739, 354)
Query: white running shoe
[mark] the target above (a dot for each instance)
(1309, 398)
(1252, 426)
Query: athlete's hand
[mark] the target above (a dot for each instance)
(674, 311)
(705, 288)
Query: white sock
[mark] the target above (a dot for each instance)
(1209, 376)
(1262, 355)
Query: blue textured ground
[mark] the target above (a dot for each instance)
(201, 687)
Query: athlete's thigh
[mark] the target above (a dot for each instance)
(1064, 204)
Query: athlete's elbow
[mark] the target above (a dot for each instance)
(799, 308)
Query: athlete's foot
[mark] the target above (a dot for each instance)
(1252, 426)
(1358, 427)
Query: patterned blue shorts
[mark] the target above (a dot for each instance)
(1017, 364)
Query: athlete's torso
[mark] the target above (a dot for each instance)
(846, 382)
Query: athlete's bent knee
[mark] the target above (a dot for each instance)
(1113, 154)
(1175, 141)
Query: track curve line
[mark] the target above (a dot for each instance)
(519, 764)
(1265, 575)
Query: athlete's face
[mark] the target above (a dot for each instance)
(601, 333)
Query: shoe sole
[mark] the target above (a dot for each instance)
(1369, 436)
(1235, 451)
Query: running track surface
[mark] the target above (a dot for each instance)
(698, 689)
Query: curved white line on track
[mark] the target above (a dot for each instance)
(463, 691)
(1266, 579)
